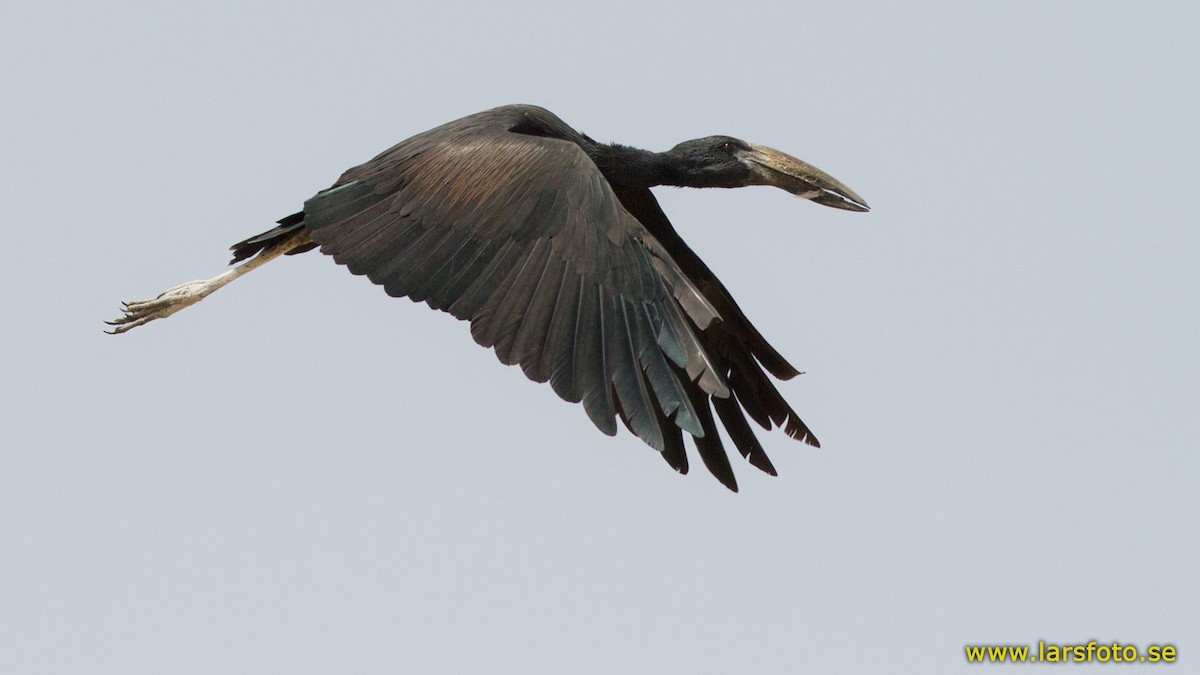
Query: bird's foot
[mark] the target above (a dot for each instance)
(168, 302)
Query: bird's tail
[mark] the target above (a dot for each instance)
(279, 235)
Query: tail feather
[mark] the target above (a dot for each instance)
(275, 236)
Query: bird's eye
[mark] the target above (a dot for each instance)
(727, 146)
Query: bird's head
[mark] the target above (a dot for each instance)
(724, 161)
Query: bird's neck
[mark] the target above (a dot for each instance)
(629, 167)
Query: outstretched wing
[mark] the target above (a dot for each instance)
(740, 352)
(522, 236)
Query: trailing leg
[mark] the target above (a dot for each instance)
(172, 300)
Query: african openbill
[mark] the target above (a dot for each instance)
(555, 250)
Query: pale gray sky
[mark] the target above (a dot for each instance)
(304, 475)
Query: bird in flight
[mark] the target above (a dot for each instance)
(554, 248)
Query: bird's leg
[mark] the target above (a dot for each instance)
(139, 312)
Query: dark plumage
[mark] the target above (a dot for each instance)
(556, 251)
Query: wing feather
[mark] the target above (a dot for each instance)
(591, 364)
(500, 320)
(709, 446)
(558, 358)
(637, 408)
(742, 435)
(529, 339)
(668, 390)
(460, 273)
(673, 450)
(438, 267)
(484, 283)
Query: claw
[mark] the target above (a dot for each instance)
(141, 312)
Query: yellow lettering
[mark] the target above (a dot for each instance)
(1082, 653)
